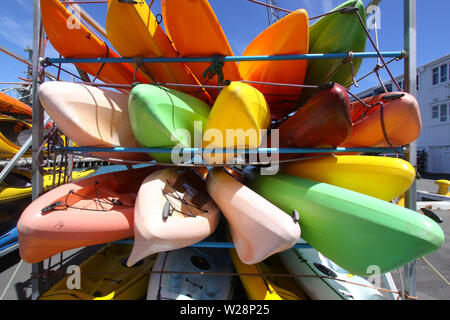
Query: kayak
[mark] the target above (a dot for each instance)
(166, 118)
(17, 184)
(378, 232)
(324, 122)
(72, 39)
(13, 107)
(266, 286)
(335, 33)
(134, 32)
(104, 276)
(90, 211)
(13, 134)
(167, 284)
(323, 279)
(258, 228)
(380, 177)
(400, 117)
(173, 210)
(195, 31)
(92, 117)
(287, 36)
(237, 120)
(8, 239)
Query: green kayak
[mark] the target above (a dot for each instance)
(157, 114)
(353, 230)
(335, 33)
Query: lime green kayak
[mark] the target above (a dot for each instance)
(165, 118)
(335, 33)
(355, 231)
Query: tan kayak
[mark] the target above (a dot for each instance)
(258, 228)
(172, 211)
(91, 117)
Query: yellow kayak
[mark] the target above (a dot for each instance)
(239, 107)
(17, 185)
(13, 134)
(105, 276)
(266, 287)
(134, 32)
(380, 177)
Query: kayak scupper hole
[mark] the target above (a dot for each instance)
(200, 263)
(325, 270)
(123, 263)
(98, 293)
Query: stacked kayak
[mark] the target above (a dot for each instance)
(314, 229)
(104, 276)
(13, 107)
(91, 211)
(175, 275)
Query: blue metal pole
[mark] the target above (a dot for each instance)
(314, 56)
(246, 151)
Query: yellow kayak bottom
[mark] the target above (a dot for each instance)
(105, 276)
(380, 177)
(262, 285)
(18, 183)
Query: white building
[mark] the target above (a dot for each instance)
(433, 95)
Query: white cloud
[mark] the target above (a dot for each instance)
(19, 34)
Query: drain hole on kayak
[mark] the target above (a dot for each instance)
(200, 263)
(97, 294)
(325, 270)
(137, 264)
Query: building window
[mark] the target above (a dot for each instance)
(435, 76)
(444, 73)
(444, 113)
(417, 82)
(440, 74)
(434, 112)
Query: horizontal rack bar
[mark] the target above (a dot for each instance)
(311, 56)
(217, 244)
(246, 151)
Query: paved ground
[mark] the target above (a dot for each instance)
(15, 280)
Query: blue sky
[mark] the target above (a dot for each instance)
(243, 20)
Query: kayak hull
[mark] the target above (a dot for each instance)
(258, 228)
(378, 232)
(173, 210)
(165, 118)
(99, 210)
(287, 36)
(380, 177)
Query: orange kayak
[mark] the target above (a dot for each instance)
(401, 118)
(134, 32)
(73, 40)
(195, 31)
(90, 211)
(13, 107)
(324, 122)
(288, 36)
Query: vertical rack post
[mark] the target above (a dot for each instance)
(37, 128)
(410, 41)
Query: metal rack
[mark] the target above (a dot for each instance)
(38, 114)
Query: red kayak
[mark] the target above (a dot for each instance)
(392, 120)
(324, 122)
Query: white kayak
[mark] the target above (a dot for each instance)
(310, 262)
(173, 210)
(258, 228)
(91, 117)
(189, 284)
